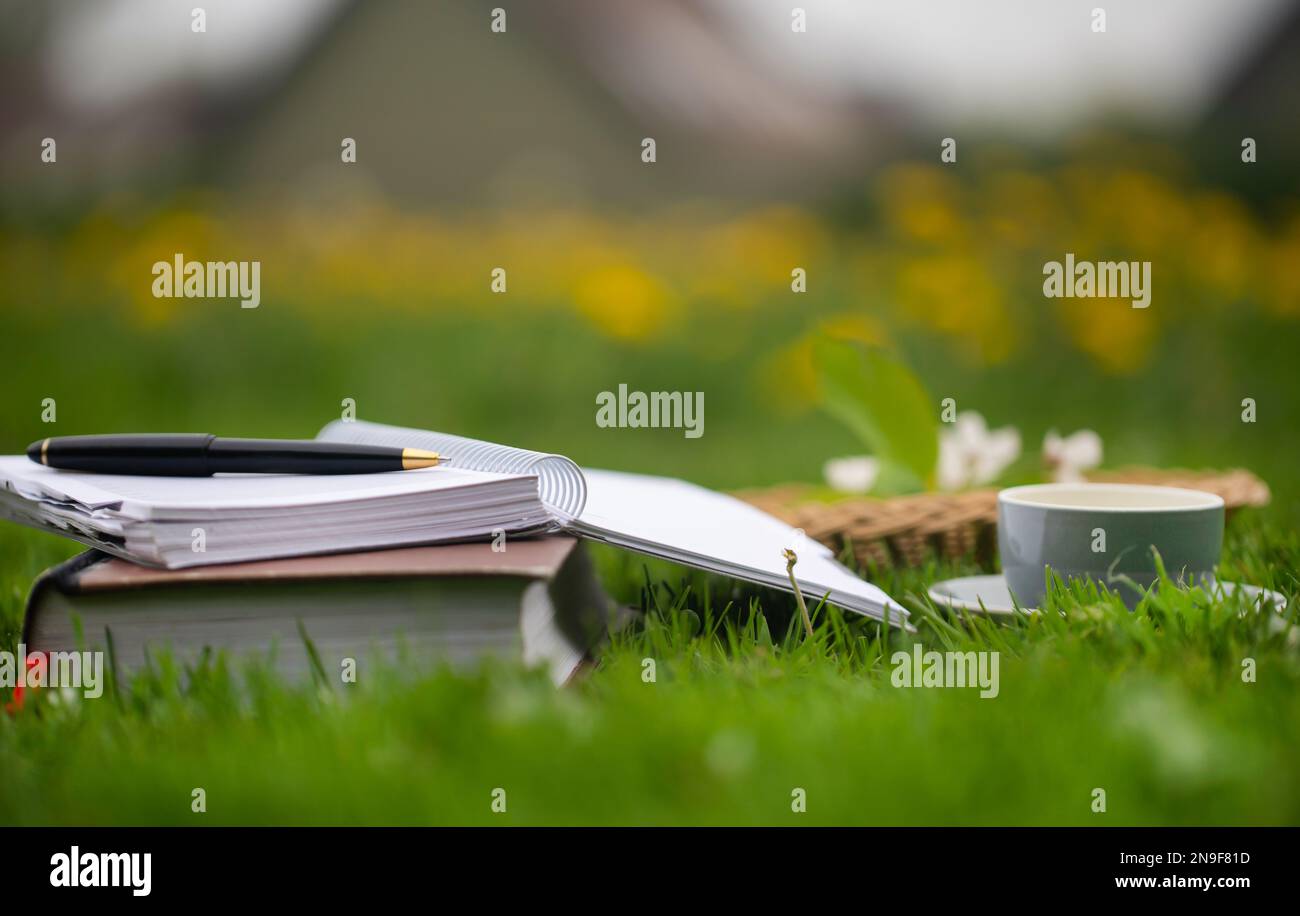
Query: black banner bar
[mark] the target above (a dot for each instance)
(329, 864)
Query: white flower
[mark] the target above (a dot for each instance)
(852, 475)
(970, 454)
(1069, 457)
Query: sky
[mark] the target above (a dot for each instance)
(1032, 66)
(1035, 67)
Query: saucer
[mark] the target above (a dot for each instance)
(990, 595)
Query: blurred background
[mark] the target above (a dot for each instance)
(775, 150)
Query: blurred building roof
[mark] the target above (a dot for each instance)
(554, 110)
(444, 111)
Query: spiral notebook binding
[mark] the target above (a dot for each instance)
(560, 483)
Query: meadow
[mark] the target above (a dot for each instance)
(393, 311)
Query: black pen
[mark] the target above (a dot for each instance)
(201, 455)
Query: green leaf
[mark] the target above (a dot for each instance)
(884, 403)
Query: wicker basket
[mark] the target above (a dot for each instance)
(908, 529)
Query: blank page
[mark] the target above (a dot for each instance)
(699, 527)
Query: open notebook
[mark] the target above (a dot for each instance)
(484, 490)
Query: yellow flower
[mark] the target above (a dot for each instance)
(1020, 208)
(921, 203)
(1220, 245)
(1144, 211)
(179, 231)
(1116, 335)
(1281, 292)
(624, 301)
(956, 295)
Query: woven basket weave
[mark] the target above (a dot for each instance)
(907, 529)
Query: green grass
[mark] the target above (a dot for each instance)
(1150, 706)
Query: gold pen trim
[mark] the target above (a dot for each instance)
(413, 458)
(45, 448)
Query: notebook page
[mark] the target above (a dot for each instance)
(653, 515)
(699, 527)
(20, 475)
(141, 497)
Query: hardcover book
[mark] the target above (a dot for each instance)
(537, 601)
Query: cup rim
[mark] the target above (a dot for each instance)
(1197, 500)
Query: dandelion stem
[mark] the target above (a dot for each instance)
(790, 560)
